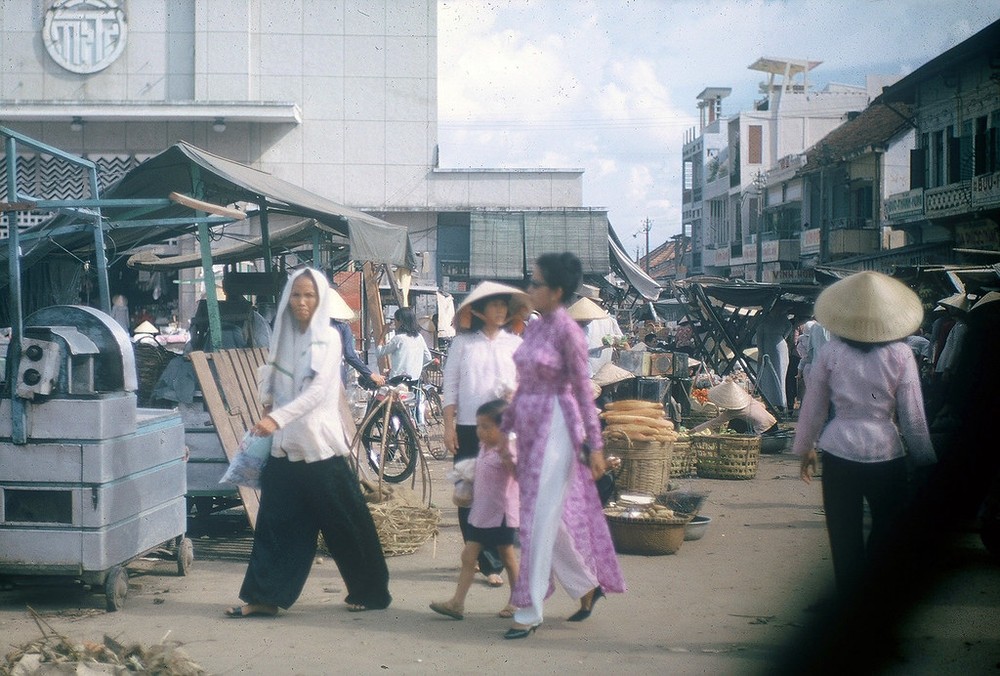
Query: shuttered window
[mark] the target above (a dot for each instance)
(496, 245)
(755, 144)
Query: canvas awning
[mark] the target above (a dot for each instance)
(643, 284)
(287, 232)
(189, 170)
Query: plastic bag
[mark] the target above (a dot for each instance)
(462, 474)
(246, 466)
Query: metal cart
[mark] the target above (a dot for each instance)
(89, 480)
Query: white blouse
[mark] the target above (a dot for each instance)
(478, 370)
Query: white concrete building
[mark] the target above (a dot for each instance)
(338, 97)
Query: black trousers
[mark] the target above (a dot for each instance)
(298, 500)
(468, 447)
(846, 486)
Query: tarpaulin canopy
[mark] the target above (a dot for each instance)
(189, 170)
(644, 285)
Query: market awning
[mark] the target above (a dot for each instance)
(189, 170)
(287, 232)
(644, 285)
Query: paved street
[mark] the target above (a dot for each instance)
(731, 602)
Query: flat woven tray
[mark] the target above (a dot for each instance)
(727, 456)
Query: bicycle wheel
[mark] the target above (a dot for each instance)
(434, 414)
(401, 444)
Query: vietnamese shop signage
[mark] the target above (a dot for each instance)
(84, 36)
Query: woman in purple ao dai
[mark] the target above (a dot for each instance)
(563, 530)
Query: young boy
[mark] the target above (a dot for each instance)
(493, 519)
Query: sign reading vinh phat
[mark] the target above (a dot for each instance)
(84, 36)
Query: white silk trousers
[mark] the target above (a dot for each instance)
(552, 551)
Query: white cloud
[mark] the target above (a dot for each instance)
(611, 86)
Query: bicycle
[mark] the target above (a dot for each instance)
(388, 432)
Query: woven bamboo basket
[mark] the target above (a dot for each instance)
(727, 456)
(647, 536)
(683, 460)
(645, 465)
(151, 359)
(403, 529)
(704, 414)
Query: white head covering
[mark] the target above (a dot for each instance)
(322, 335)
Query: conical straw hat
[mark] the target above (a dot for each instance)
(869, 307)
(518, 302)
(146, 327)
(991, 297)
(729, 395)
(958, 301)
(609, 374)
(338, 307)
(586, 310)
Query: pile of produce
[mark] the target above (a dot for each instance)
(653, 511)
(639, 420)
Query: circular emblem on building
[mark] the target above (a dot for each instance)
(84, 36)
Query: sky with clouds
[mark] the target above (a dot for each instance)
(609, 86)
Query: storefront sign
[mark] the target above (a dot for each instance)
(809, 241)
(980, 235)
(769, 251)
(986, 188)
(905, 204)
(84, 36)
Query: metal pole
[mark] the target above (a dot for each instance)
(100, 254)
(761, 184)
(208, 272)
(18, 434)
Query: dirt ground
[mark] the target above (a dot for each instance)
(731, 603)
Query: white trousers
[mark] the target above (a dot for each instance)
(552, 550)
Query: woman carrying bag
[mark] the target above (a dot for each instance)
(307, 485)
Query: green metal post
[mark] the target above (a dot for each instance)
(99, 253)
(19, 433)
(208, 272)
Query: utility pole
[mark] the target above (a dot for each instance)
(647, 225)
(761, 181)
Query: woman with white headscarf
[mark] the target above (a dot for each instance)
(307, 485)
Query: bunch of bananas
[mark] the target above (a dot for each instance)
(638, 420)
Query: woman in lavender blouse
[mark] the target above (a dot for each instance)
(867, 376)
(560, 455)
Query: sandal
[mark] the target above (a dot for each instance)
(507, 611)
(443, 608)
(241, 611)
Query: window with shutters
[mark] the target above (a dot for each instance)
(755, 144)
(981, 148)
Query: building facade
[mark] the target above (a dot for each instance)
(337, 97)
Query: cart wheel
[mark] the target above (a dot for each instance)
(185, 556)
(116, 588)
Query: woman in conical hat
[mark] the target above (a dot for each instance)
(868, 377)
(480, 368)
(742, 412)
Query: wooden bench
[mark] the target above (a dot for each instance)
(228, 381)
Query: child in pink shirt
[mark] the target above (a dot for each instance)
(493, 519)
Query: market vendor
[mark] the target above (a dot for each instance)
(744, 414)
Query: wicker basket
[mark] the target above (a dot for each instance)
(647, 536)
(704, 414)
(403, 529)
(727, 456)
(683, 460)
(645, 465)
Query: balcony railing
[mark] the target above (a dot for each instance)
(948, 200)
(849, 223)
